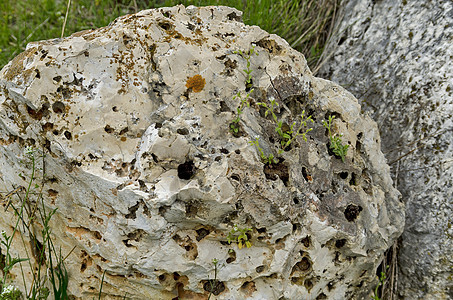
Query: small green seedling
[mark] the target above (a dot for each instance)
(286, 136)
(213, 283)
(244, 100)
(382, 279)
(239, 236)
(270, 109)
(266, 159)
(336, 144)
(234, 125)
(248, 71)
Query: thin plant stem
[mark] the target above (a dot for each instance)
(65, 18)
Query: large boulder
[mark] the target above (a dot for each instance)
(152, 179)
(395, 57)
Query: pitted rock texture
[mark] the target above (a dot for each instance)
(395, 57)
(148, 179)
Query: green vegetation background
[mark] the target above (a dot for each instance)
(305, 24)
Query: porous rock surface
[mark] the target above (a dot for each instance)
(396, 58)
(148, 180)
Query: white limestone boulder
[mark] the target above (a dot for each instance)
(148, 179)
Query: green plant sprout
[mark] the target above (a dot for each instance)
(382, 279)
(239, 236)
(336, 144)
(234, 125)
(266, 159)
(213, 283)
(286, 136)
(248, 71)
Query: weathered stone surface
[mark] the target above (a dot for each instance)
(395, 57)
(148, 180)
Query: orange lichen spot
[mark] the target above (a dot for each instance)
(196, 83)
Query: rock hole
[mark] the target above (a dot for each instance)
(83, 267)
(65, 91)
(270, 45)
(201, 233)
(52, 193)
(306, 175)
(275, 171)
(124, 130)
(261, 230)
(248, 288)
(166, 26)
(308, 285)
(344, 175)
(358, 146)
(108, 129)
(224, 107)
(186, 170)
(340, 243)
(232, 256)
(353, 180)
(161, 277)
(57, 79)
(342, 39)
(236, 177)
(190, 26)
(295, 200)
(296, 227)
(58, 107)
(176, 276)
(38, 114)
(115, 109)
(53, 180)
(224, 151)
(132, 211)
(234, 17)
(306, 241)
(68, 135)
(191, 209)
(182, 131)
(97, 235)
(47, 127)
(38, 75)
(351, 212)
(302, 266)
(214, 286)
(259, 269)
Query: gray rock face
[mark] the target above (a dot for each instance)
(396, 58)
(149, 181)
